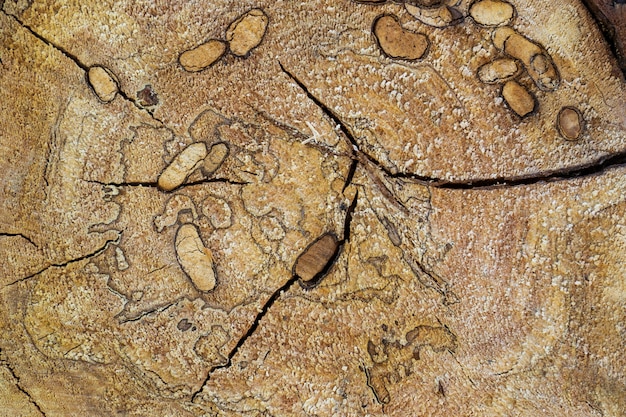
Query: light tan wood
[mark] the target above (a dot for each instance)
(160, 216)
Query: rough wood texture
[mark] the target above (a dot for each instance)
(611, 17)
(157, 196)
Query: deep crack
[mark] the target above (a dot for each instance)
(66, 263)
(23, 236)
(154, 184)
(255, 324)
(597, 166)
(18, 384)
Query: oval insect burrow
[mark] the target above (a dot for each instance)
(397, 42)
(247, 32)
(183, 164)
(316, 259)
(570, 123)
(194, 258)
(518, 98)
(202, 56)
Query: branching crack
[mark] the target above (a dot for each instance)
(284, 288)
(18, 384)
(597, 166)
(71, 261)
(80, 64)
(357, 154)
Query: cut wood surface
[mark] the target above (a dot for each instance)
(322, 208)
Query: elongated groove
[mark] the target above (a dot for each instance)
(71, 261)
(18, 384)
(255, 324)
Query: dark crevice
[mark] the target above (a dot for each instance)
(348, 221)
(607, 28)
(147, 184)
(595, 167)
(66, 263)
(142, 314)
(20, 235)
(212, 180)
(81, 65)
(264, 309)
(154, 184)
(18, 384)
(350, 175)
(598, 166)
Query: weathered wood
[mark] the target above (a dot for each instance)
(311, 208)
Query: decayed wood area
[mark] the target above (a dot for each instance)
(281, 208)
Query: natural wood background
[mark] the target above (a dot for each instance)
(274, 208)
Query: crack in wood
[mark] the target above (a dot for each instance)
(276, 294)
(153, 184)
(597, 166)
(71, 261)
(18, 385)
(23, 236)
(255, 324)
(80, 64)
(343, 127)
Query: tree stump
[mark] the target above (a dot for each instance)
(320, 208)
